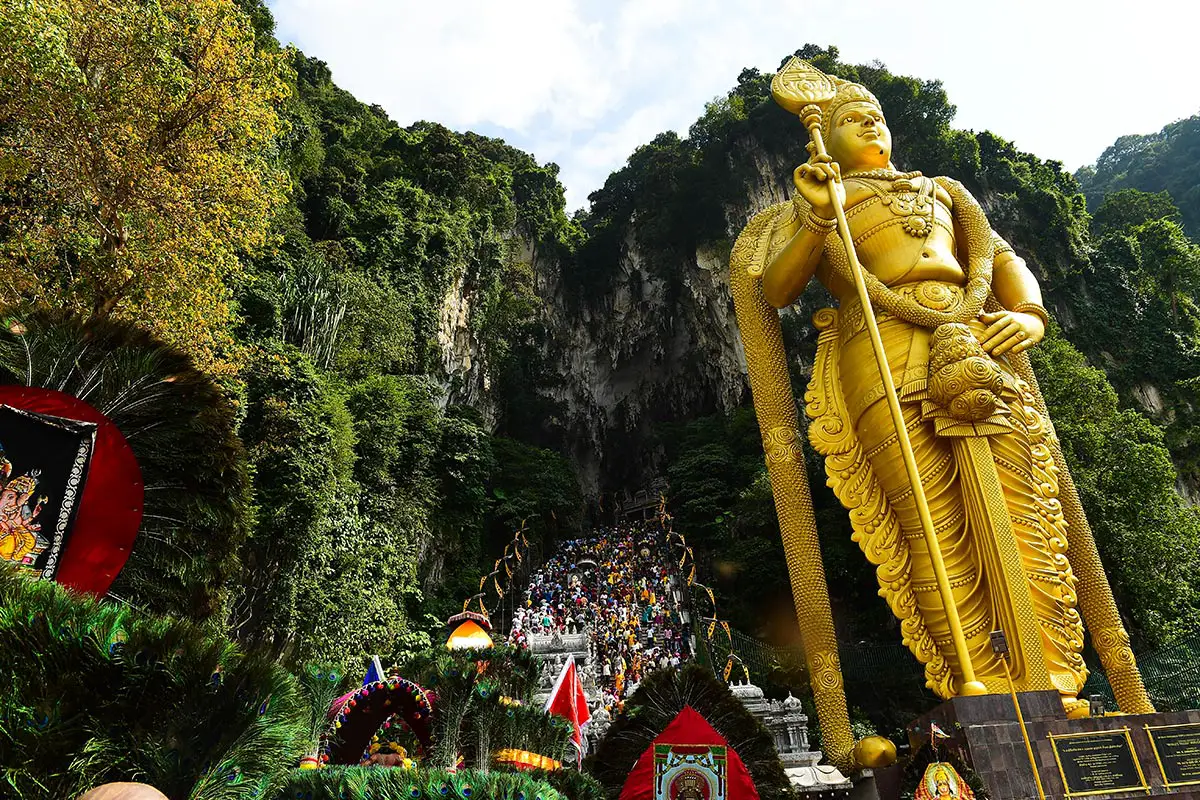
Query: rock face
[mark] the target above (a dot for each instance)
(648, 350)
(641, 356)
(463, 365)
(659, 342)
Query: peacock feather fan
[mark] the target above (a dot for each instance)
(181, 429)
(437, 787)
(462, 786)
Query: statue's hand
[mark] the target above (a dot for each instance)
(813, 180)
(1010, 331)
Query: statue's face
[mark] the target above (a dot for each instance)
(859, 138)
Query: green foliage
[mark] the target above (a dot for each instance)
(94, 693)
(364, 783)
(328, 569)
(533, 486)
(1158, 162)
(1129, 208)
(138, 165)
(721, 499)
(181, 430)
(299, 439)
(357, 466)
(384, 223)
(571, 783)
(1134, 312)
(1149, 541)
(657, 701)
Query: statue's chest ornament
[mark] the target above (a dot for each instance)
(911, 199)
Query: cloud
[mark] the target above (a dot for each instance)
(583, 83)
(460, 63)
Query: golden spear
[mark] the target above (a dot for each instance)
(800, 88)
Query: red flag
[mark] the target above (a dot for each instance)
(568, 700)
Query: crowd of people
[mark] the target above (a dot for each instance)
(619, 586)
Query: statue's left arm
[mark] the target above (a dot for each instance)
(1022, 323)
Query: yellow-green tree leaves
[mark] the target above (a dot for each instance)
(136, 160)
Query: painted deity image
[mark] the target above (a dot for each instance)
(44, 463)
(690, 772)
(21, 540)
(941, 780)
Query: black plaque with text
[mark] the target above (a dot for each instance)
(1098, 763)
(1178, 750)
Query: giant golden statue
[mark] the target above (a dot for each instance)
(933, 429)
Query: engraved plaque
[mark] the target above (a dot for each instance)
(1098, 763)
(1177, 748)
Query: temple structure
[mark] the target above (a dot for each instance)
(788, 725)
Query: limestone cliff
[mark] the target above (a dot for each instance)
(658, 345)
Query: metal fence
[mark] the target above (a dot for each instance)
(515, 589)
(874, 672)
(1171, 674)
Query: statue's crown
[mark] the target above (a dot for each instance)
(799, 85)
(25, 484)
(847, 93)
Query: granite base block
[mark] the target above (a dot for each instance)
(984, 734)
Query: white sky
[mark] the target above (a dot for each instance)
(583, 83)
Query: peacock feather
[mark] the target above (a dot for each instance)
(181, 428)
(461, 786)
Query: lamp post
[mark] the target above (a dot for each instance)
(1000, 648)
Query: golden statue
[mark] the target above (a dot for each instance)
(933, 428)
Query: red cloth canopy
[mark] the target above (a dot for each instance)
(110, 509)
(688, 727)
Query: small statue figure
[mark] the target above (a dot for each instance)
(600, 722)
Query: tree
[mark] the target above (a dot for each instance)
(1148, 539)
(299, 439)
(138, 141)
(534, 487)
(1157, 162)
(1128, 208)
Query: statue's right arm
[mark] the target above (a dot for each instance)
(792, 268)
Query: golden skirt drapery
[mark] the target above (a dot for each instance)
(992, 492)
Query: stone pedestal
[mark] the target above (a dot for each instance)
(985, 734)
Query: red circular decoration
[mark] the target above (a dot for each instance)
(110, 509)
